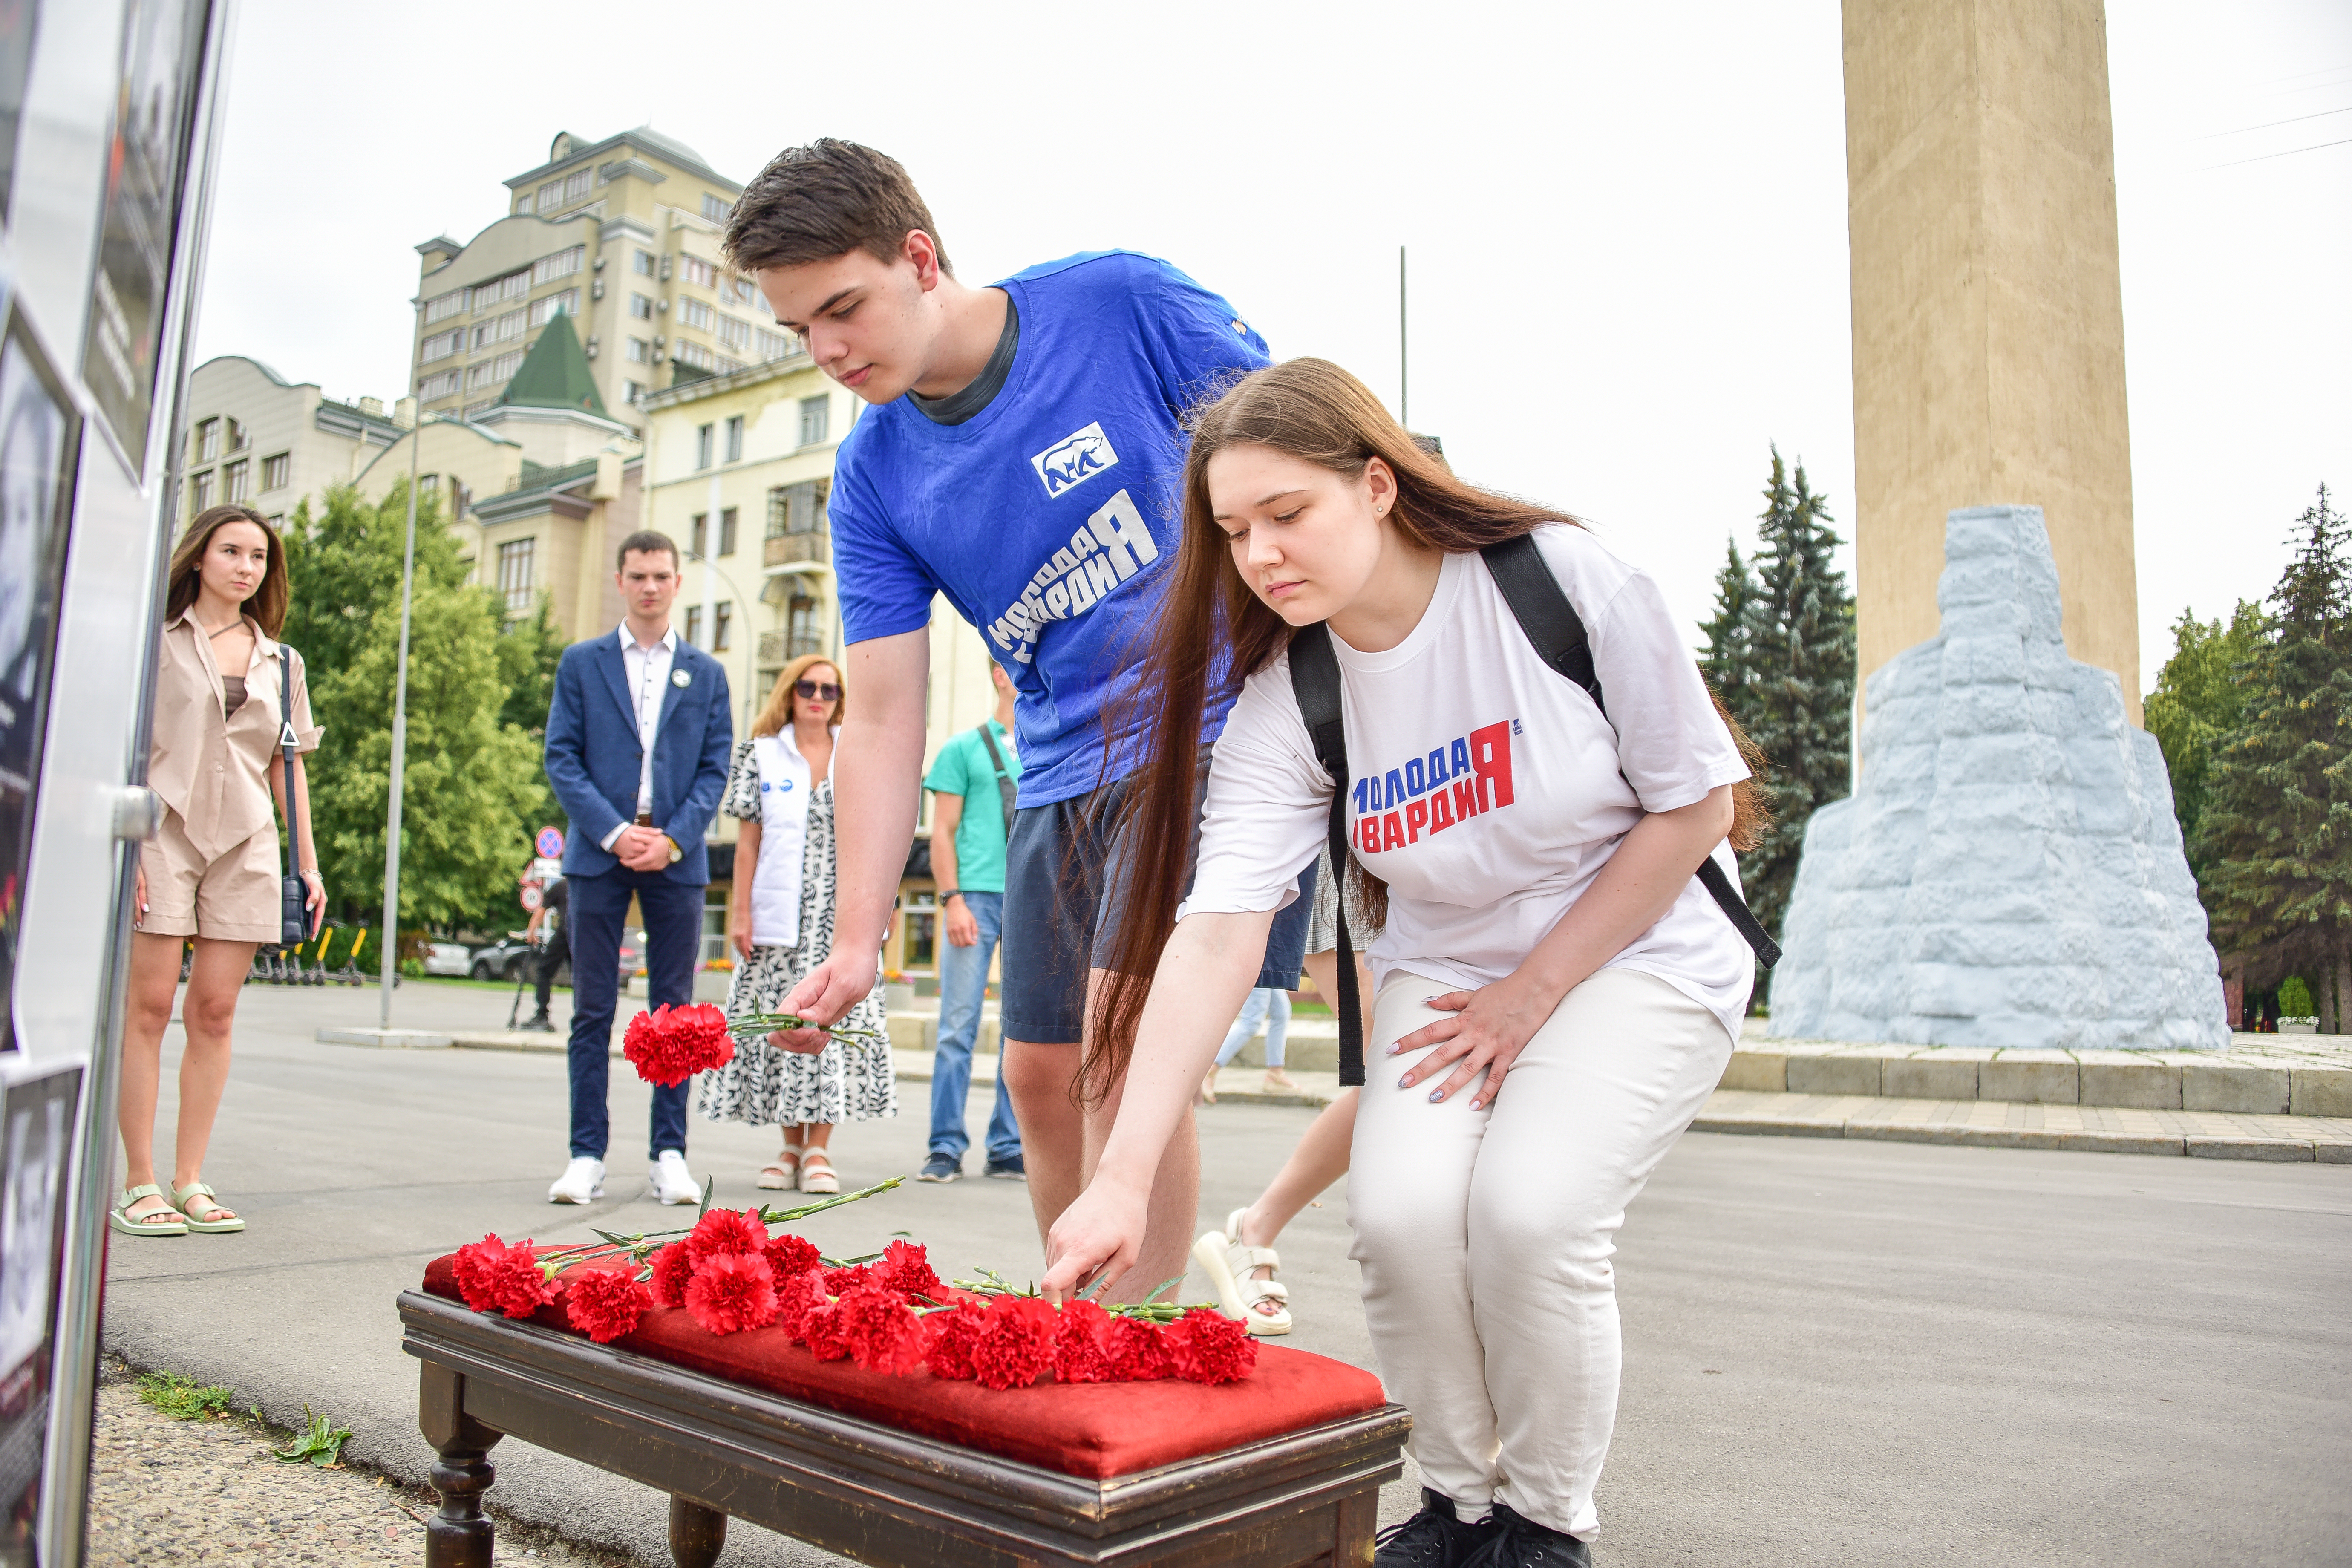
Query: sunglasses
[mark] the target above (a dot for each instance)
(827, 693)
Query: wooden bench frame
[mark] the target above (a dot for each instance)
(870, 1493)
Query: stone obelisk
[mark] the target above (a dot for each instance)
(1988, 307)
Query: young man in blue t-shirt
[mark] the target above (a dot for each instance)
(1023, 457)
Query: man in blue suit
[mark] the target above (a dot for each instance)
(637, 743)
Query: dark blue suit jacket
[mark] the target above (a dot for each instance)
(593, 754)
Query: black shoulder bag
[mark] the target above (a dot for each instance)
(294, 895)
(1557, 632)
(1005, 789)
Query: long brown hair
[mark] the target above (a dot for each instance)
(776, 716)
(267, 604)
(1312, 410)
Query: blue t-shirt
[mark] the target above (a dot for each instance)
(1058, 499)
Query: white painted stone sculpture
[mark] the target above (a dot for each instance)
(2008, 871)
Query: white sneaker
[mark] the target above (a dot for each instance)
(672, 1183)
(582, 1182)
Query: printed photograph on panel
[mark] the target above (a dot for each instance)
(37, 1126)
(17, 19)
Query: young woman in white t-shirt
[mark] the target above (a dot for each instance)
(1542, 921)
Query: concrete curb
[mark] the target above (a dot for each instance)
(2217, 1135)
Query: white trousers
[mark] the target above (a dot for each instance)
(1484, 1235)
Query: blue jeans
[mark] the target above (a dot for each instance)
(963, 985)
(673, 912)
(1264, 1006)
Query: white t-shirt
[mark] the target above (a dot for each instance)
(1488, 789)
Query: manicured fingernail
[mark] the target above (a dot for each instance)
(1437, 1094)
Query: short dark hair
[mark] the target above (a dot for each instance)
(645, 541)
(823, 200)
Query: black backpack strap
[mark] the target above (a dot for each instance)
(1004, 788)
(1315, 682)
(1552, 624)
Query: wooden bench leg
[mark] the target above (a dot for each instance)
(458, 1536)
(1360, 1518)
(695, 1533)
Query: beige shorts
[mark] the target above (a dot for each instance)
(232, 899)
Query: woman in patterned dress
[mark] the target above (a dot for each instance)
(781, 791)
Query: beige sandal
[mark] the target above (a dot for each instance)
(816, 1172)
(186, 1200)
(1232, 1267)
(164, 1221)
(777, 1174)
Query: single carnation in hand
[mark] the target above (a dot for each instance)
(603, 1303)
(907, 1267)
(953, 1334)
(732, 1291)
(883, 1333)
(673, 1271)
(670, 1045)
(1016, 1343)
(1080, 1354)
(1210, 1347)
(796, 1298)
(841, 1282)
(726, 1230)
(1139, 1352)
(825, 1332)
(789, 1255)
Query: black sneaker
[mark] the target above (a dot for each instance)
(1015, 1169)
(538, 1023)
(1520, 1542)
(939, 1168)
(1433, 1538)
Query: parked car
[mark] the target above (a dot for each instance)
(513, 958)
(446, 958)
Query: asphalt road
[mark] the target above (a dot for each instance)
(1836, 1352)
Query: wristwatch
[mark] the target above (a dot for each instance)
(951, 893)
(676, 854)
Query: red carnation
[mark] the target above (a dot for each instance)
(826, 1335)
(605, 1303)
(883, 1332)
(953, 1335)
(477, 1262)
(673, 1270)
(1080, 1355)
(841, 1282)
(907, 1267)
(1140, 1352)
(1212, 1348)
(796, 1298)
(670, 1045)
(732, 1291)
(1016, 1343)
(509, 1280)
(726, 1230)
(789, 1255)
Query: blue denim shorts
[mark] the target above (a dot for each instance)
(1064, 880)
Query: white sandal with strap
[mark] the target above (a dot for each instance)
(816, 1172)
(779, 1174)
(164, 1221)
(1230, 1266)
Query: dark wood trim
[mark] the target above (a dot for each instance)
(867, 1491)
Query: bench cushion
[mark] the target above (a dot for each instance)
(1091, 1429)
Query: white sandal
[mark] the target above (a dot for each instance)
(1231, 1266)
(816, 1179)
(779, 1174)
(164, 1221)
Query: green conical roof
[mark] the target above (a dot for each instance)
(554, 373)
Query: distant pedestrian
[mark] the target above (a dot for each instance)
(972, 783)
(551, 928)
(637, 737)
(1265, 1007)
(779, 790)
(213, 872)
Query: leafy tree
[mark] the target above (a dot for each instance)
(1798, 696)
(2199, 698)
(2275, 829)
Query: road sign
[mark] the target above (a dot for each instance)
(545, 870)
(531, 897)
(549, 843)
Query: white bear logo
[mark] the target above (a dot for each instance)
(1074, 460)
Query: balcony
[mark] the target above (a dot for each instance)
(779, 649)
(789, 549)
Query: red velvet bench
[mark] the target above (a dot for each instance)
(1282, 1469)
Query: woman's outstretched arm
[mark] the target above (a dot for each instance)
(1207, 967)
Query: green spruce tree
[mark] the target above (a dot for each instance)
(2199, 700)
(1727, 662)
(2276, 830)
(1798, 695)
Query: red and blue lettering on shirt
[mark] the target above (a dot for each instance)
(1395, 807)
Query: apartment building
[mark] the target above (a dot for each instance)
(621, 236)
(255, 439)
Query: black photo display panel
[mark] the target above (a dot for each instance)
(36, 1138)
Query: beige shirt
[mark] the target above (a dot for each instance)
(209, 765)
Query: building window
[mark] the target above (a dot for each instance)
(442, 306)
(698, 271)
(275, 471)
(815, 416)
(722, 614)
(577, 183)
(702, 446)
(644, 263)
(513, 285)
(727, 531)
(514, 574)
(438, 385)
(694, 625)
(632, 391)
(734, 335)
(550, 195)
(801, 633)
(513, 324)
(713, 208)
(236, 436)
(694, 313)
(441, 345)
(200, 494)
(476, 410)
(522, 204)
(735, 439)
(695, 532)
(233, 482)
(562, 264)
(543, 310)
(748, 293)
(770, 345)
(639, 350)
(641, 307)
(207, 440)
(701, 358)
(795, 509)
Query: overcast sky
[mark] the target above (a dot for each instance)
(1626, 224)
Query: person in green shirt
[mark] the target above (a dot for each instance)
(971, 783)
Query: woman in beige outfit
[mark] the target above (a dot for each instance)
(212, 873)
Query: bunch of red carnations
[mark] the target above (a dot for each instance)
(669, 1044)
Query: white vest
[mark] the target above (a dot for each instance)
(785, 789)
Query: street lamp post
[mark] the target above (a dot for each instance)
(712, 566)
(399, 738)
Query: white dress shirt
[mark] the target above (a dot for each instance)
(647, 670)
